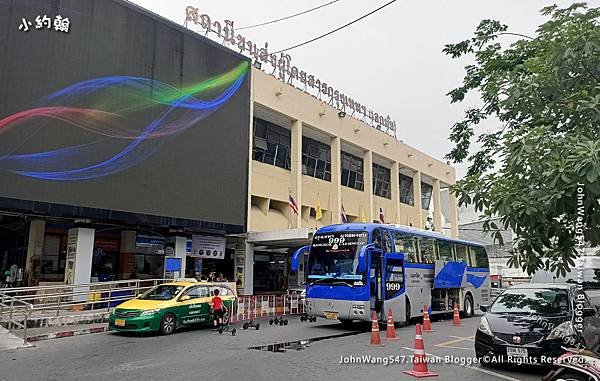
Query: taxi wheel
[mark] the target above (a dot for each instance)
(167, 324)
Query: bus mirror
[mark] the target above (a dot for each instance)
(296, 257)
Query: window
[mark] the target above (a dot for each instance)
(445, 249)
(316, 159)
(376, 238)
(406, 190)
(381, 181)
(480, 256)
(461, 253)
(352, 171)
(405, 243)
(387, 241)
(223, 291)
(271, 144)
(427, 249)
(426, 191)
(197, 292)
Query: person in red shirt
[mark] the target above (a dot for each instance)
(218, 308)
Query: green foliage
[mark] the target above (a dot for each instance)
(544, 92)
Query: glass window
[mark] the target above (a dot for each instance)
(406, 190)
(271, 144)
(352, 171)
(427, 249)
(317, 158)
(540, 301)
(445, 249)
(376, 238)
(197, 292)
(426, 191)
(381, 181)
(161, 292)
(387, 241)
(461, 253)
(405, 243)
(481, 258)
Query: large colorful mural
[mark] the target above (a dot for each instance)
(125, 117)
(108, 108)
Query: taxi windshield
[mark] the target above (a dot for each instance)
(161, 292)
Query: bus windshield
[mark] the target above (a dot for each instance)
(334, 257)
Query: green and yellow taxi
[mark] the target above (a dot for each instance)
(168, 306)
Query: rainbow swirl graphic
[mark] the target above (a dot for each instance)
(108, 112)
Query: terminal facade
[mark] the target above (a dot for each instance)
(205, 156)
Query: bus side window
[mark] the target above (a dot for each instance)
(405, 243)
(461, 253)
(445, 250)
(427, 249)
(472, 260)
(481, 257)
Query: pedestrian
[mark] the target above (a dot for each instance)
(218, 308)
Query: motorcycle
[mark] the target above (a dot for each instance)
(575, 365)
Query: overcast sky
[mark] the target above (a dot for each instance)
(390, 61)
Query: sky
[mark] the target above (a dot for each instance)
(392, 61)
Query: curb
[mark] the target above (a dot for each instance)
(59, 335)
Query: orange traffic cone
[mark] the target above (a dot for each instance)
(456, 317)
(375, 338)
(391, 331)
(419, 359)
(426, 321)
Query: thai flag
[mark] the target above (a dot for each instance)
(344, 216)
(381, 219)
(293, 204)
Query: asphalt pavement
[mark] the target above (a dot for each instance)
(202, 354)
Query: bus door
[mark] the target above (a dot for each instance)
(394, 285)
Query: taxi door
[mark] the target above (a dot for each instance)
(196, 309)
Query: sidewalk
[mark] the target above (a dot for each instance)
(9, 341)
(57, 332)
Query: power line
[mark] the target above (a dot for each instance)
(288, 17)
(335, 30)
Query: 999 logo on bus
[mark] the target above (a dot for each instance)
(391, 286)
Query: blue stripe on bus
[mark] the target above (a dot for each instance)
(476, 281)
(479, 269)
(429, 266)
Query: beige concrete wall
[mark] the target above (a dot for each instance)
(272, 183)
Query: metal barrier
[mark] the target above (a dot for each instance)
(91, 296)
(257, 306)
(13, 307)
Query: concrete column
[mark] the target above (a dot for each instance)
(180, 252)
(127, 254)
(35, 244)
(249, 270)
(417, 199)
(78, 269)
(296, 162)
(437, 206)
(395, 183)
(453, 217)
(336, 180)
(368, 169)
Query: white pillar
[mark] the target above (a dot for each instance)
(180, 252)
(437, 206)
(453, 217)
(35, 244)
(368, 182)
(336, 180)
(395, 179)
(296, 171)
(417, 199)
(78, 269)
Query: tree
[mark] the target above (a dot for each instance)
(544, 92)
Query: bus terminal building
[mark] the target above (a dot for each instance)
(141, 140)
